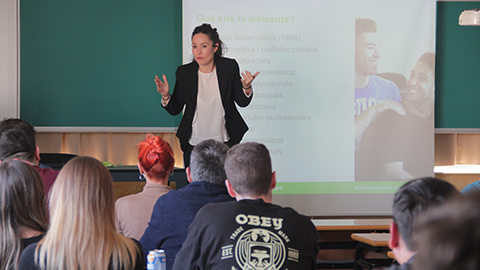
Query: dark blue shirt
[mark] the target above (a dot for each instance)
(173, 213)
(475, 186)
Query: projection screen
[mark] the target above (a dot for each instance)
(321, 67)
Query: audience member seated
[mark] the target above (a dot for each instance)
(23, 215)
(82, 224)
(174, 211)
(250, 233)
(155, 162)
(410, 202)
(449, 236)
(17, 141)
(472, 187)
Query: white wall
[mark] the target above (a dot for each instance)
(9, 58)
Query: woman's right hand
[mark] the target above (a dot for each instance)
(162, 87)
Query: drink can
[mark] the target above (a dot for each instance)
(151, 260)
(162, 260)
(156, 260)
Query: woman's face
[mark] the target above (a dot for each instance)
(203, 49)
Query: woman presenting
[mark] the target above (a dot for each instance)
(208, 87)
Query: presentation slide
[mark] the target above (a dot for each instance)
(313, 57)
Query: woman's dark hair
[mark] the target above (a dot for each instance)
(22, 204)
(212, 34)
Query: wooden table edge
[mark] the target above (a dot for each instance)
(371, 242)
(352, 227)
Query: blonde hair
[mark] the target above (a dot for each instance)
(22, 204)
(82, 230)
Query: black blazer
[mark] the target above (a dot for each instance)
(231, 92)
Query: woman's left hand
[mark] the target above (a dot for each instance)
(247, 81)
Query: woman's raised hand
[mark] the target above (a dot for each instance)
(162, 87)
(248, 79)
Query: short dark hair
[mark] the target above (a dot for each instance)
(207, 160)
(213, 35)
(413, 199)
(249, 169)
(365, 26)
(449, 236)
(17, 139)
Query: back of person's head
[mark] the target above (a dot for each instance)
(212, 35)
(414, 198)
(365, 26)
(156, 157)
(22, 205)
(449, 236)
(82, 230)
(249, 169)
(207, 162)
(17, 140)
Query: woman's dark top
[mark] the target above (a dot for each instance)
(27, 260)
(27, 241)
(231, 92)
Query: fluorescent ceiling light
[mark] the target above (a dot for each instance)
(470, 17)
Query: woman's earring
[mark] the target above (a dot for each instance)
(141, 177)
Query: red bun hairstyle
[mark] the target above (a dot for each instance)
(156, 156)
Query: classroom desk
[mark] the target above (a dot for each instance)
(336, 233)
(372, 239)
(352, 224)
(130, 173)
(391, 255)
(376, 242)
(126, 181)
(335, 242)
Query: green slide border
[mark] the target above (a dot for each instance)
(359, 187)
